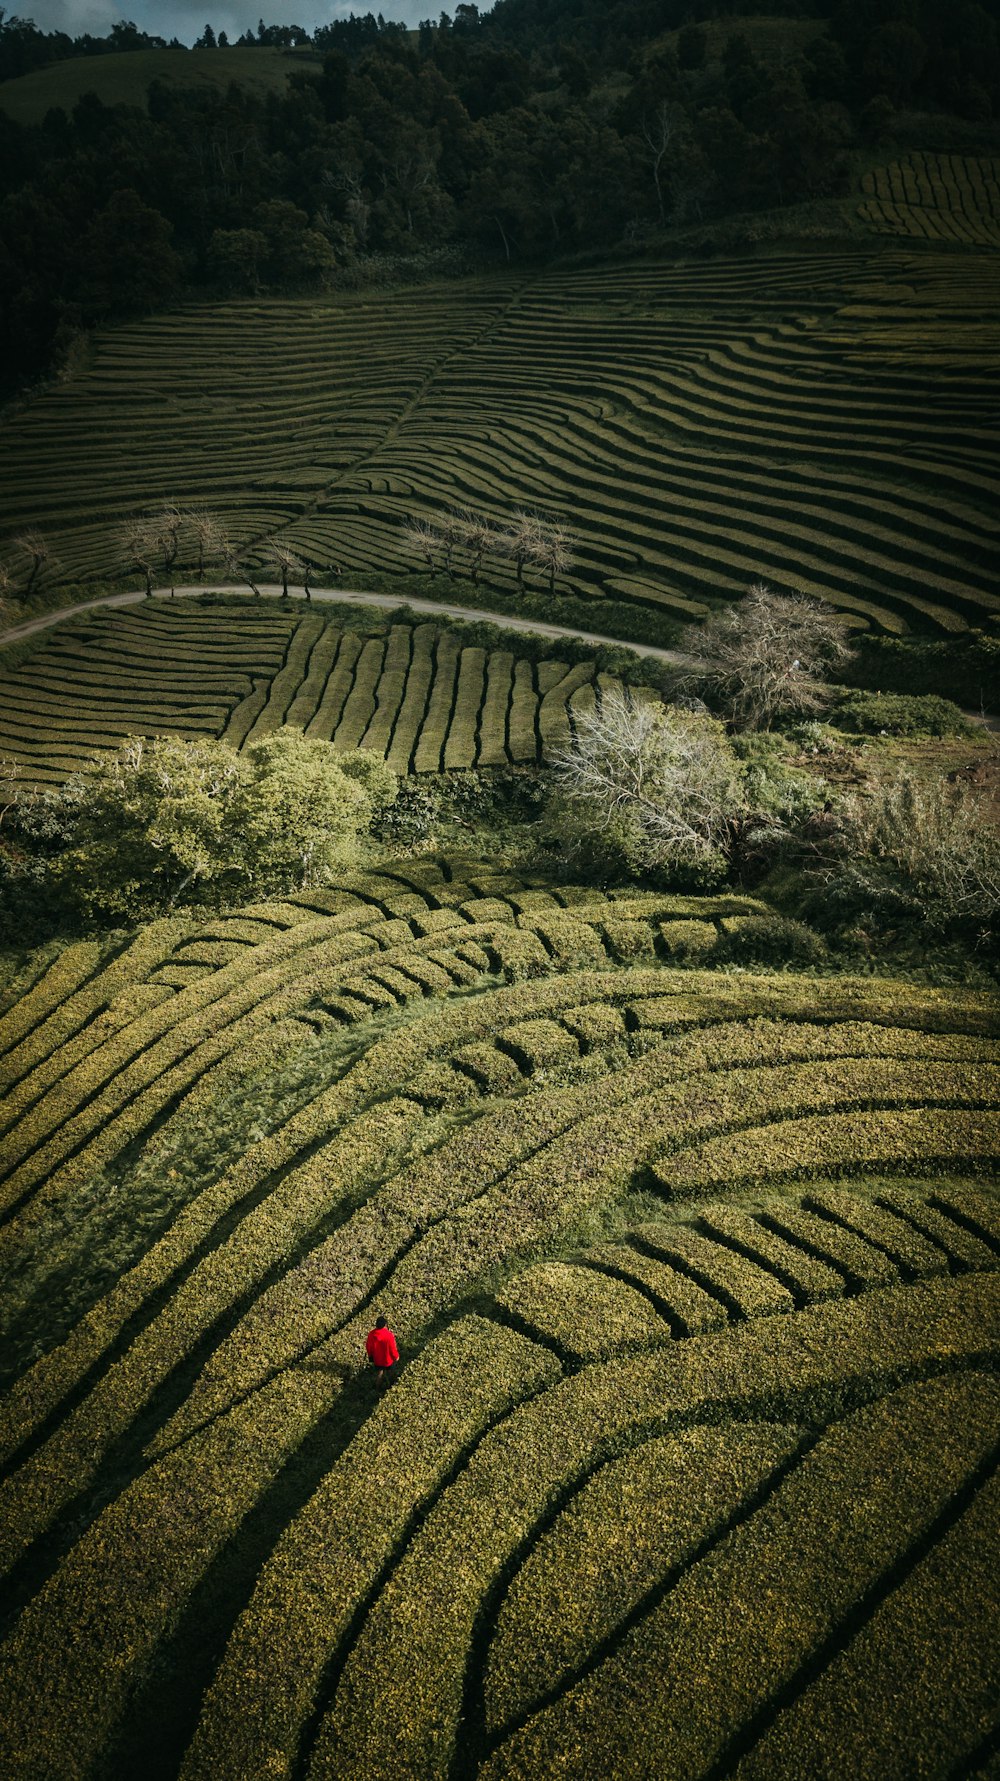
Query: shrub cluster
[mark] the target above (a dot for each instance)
(901, 714)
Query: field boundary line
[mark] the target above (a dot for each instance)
(355, 597)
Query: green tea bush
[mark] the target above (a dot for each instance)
(753, 1609)
(901, 714)
(965, 669)
(769, 940)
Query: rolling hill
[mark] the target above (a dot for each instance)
(690, 1468)
(822, 419)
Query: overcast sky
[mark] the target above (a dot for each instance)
(187, 19)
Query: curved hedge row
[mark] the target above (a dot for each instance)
(628, 1383)
(699, 425)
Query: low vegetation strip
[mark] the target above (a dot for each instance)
(937, 1627)
(427, 1610)
(404, 1455)
(394, 696)
(766, 1601)
(935, 198)
(635, 1521)
(467, 1100)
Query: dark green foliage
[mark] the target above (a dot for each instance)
(901, 714)
(769, 940)
(965, 668)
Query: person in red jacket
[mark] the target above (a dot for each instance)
(381, 1350)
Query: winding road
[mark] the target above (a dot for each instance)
(352, 596)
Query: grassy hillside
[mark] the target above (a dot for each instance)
(823, 419)
(413, 694)
(691, 1462)
(123, 78)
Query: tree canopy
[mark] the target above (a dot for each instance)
(164, 822)
(531, 130)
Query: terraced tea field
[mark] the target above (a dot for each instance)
(691, 1465)
(935, 198)
(825, 420)
(414, 694)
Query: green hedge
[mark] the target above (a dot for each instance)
(689, 1309)
(858, 1143)
(932, 1645)
(965, 669)
(632, 1524)
(587, 1314)
(389, 1064)
(752, 1612)
(443, 1400)
(750, 1291)
(901, 714)
(400, 1693)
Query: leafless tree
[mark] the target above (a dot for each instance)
(286, 561)
(169, 524)
(520, 540)
(33, 547)
(452, 533)
(138, 545)
(7, 587)
(658, 133)
(210, 540)
(554, 551)
(477, 536)
(424, 540)
(668, 773)
(766, 655)
(238, 566)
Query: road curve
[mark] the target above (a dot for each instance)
(354, 596)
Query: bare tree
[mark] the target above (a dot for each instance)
(169, 523)
(477, 535)
(35, 548)
(670, 775)
(424, 540)
(7, 587)
(658, 133)
(237, 565)
(520, 540)
(452, 534)
(554, 551)
(766, 655)
(286, 561)
(138, 547)
(210, 540)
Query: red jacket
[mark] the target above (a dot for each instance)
(381, 1348)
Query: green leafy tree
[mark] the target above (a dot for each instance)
(165, 821)
(235, 257)
(126, 260)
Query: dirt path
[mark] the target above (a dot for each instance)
(355, 597)
(387, 602)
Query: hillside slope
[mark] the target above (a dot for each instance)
(825, 420)
(693, 1448)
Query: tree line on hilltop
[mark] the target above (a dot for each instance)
(532, 131)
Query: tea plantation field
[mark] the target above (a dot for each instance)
(690, 1469)
(413, 694)
(823, 418)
